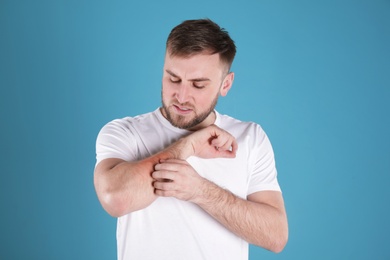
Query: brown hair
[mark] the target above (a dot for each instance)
(203, 35)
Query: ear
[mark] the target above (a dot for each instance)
(227, 84)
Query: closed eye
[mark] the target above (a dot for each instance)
(175, 80)
(198, 86)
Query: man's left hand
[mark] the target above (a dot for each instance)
(177, 178)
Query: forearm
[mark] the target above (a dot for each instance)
(260, 220)
(258, 223)
(123, 187)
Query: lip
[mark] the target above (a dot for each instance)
(182, 110)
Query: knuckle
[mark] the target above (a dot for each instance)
(156, 185)
(156, 175)
(166, 186)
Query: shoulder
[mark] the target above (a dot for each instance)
(130, 123)
(249, 135)
(232, 124)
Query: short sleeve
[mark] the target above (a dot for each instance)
(263, 168)
(116, 140)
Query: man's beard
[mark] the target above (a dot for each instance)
(180, 121)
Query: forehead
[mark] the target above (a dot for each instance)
(198, 65)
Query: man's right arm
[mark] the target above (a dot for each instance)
(123, 187)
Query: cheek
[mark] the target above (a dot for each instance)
(206, 99)
(167, 90)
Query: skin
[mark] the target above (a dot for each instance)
(191, 87)
(123, 187)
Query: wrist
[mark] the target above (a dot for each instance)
(181, 149)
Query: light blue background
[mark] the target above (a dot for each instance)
(314, 74)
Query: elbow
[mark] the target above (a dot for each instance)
(114, 206)
(279, 245)
(279, 242)
(111, 201)
(274, 243)
(280, 237)
(275, 246)
(117, 207)
(117, 204)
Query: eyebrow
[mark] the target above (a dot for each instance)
(194, 80)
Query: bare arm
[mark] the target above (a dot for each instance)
(123, 187)
(260, 220)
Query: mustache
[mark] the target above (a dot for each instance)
(186, 105)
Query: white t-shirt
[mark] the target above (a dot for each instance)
(173, 229)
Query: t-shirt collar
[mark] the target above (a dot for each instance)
(167, 124)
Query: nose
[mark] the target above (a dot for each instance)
(182, 94)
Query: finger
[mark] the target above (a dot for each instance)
(169, 165)
(234, 146)
(231, 146)
(226, 154)
(165, 193)
(166, 175)
(226, 145)
(227, 151)
(220, 139)
(163, 185)
(165, 167)
(172, 165)
(163, 180)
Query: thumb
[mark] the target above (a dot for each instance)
(226, 148)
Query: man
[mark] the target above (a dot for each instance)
(185, 181)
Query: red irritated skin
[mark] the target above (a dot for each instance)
(191, 87)
(190, 90)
